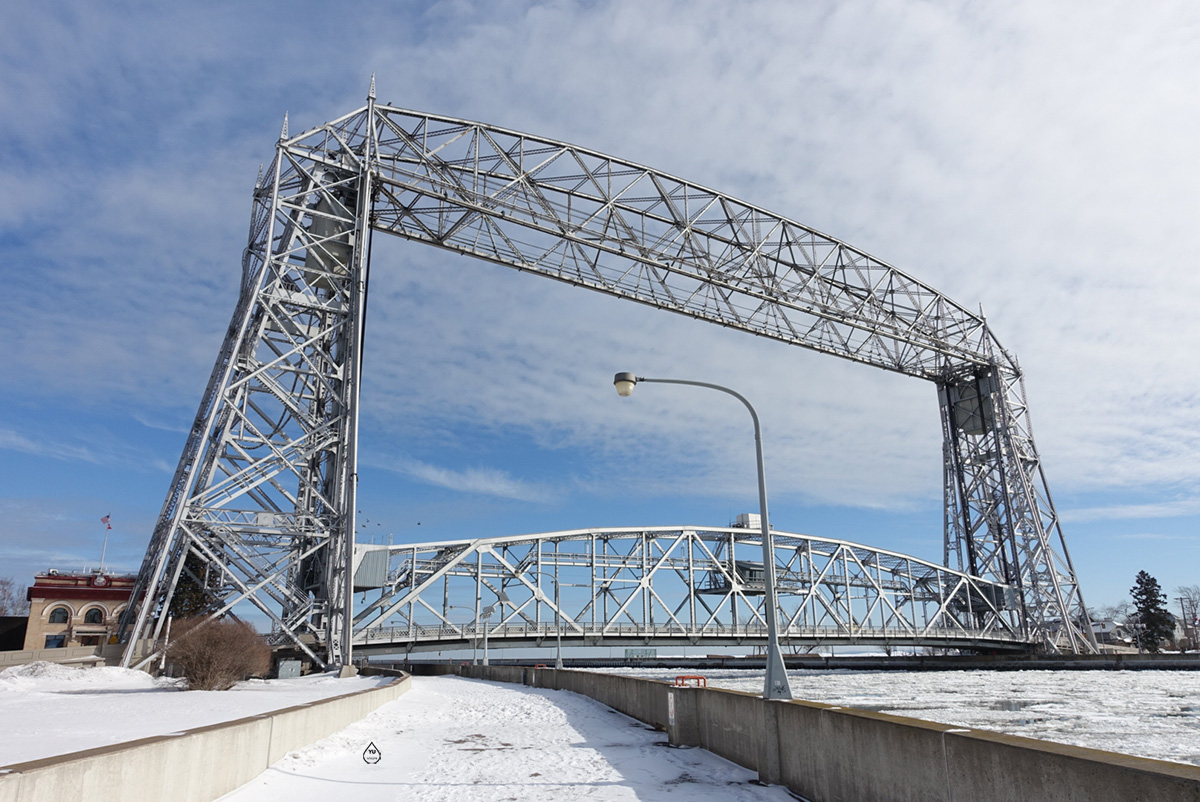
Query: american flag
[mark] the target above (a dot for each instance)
(106, 519)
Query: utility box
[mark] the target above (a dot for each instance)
(287, 669)
(371, 566)
(749, 520)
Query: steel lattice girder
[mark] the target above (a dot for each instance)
(681, 585)
(264, 492)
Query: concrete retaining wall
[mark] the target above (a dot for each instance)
(826, 753)
(70, 654)
(196, 765)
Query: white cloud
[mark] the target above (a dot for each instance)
(1153, 536)
(1167, 509)
(1035, 159)
(100, 448)
(1009, 158)
(15, 441)
(477, 480)
(152, 423)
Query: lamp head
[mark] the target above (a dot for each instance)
(624, 383)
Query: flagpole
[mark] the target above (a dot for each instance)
(107, 521)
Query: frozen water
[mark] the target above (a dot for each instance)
(1146, 713)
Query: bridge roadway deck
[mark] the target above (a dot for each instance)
(429, 639)
(817, 662)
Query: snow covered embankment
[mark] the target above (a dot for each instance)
(50, 709)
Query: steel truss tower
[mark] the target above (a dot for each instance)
(264, 495)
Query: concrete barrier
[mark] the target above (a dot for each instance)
(77, 655)
(196, 765)
(825, 753)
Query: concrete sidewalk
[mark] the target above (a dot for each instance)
(463, 740)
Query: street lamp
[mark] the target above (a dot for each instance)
(485, 615)
(474, 635)
(775, 684)
(558, 663)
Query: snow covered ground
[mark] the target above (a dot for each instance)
(465, 740)
(448, 738)
(1147, 713)
(452, 738)
(50, 709)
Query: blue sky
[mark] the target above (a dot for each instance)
(1039, 162)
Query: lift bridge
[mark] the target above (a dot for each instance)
(261, 509)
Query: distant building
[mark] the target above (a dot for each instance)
(75, 609)
(1111, 633)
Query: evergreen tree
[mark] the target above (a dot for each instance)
(1154, 623)
(191, 597)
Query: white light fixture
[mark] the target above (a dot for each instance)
(624, 383)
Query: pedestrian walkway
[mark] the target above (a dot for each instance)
(463, 740)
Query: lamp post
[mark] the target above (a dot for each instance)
(486, 614)
(474, 635)
(558, 613)
(558, 662)
(775, 684)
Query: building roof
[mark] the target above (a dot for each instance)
(96, 585)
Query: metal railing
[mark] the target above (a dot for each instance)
(419, 633)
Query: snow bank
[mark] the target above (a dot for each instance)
(50, 709)
(48, 677)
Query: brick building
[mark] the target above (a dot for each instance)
(75, 609)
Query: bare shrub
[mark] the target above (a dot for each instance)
(213, 655)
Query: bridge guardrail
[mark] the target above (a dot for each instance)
(456, 633)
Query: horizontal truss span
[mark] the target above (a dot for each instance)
(593, 220)
(669, 586)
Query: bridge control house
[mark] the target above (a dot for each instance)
(75, 609)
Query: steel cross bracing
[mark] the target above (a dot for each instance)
(264, 491)
(674, 585)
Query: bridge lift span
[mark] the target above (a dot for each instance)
(263, 499)
(670, 586)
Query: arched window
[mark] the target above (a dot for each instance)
(59, 615)
(94, 616)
